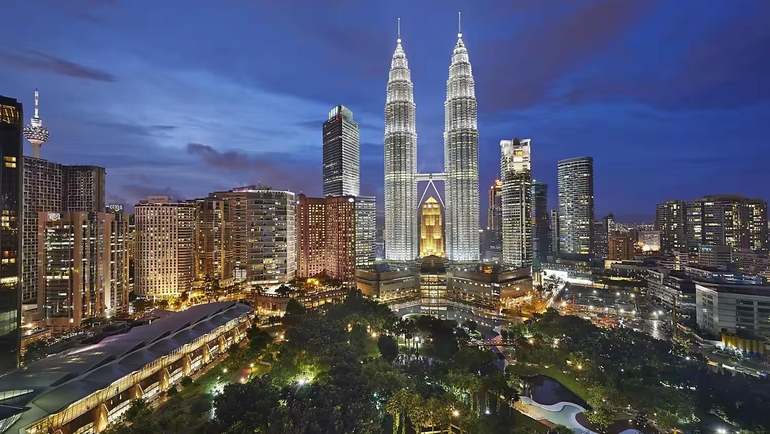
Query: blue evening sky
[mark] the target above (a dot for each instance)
(671, 98)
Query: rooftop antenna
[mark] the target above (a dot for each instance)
(399, 31)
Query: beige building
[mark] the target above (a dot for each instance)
(431, 229)
(620, 247)
(163, 262)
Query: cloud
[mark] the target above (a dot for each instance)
(42, 62)
(530, 63)
(138, 192)
(280, 171)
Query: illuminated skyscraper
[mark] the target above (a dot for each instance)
(516, 170)
(541, 231)
(341, 153)
(461, 159)
(164, 247)
(495, 222)
(576, 205)
(11, 115)
(400, 161)
(431, 229)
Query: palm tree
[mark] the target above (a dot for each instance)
(397, 406)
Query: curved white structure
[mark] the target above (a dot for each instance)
(401, 208)
(461, 159)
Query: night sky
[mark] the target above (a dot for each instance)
(671, 98)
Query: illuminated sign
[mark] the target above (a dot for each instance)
(54, 216)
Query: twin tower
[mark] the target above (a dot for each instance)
(461, 161)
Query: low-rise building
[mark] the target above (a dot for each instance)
(86, 389)
(672, 288)
(733, 304)
(388, 283)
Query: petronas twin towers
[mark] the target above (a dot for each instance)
(461, 160)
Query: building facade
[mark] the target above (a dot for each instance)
(401, 202)
(341, 154)
(214, 238)
(74, 269)
(576, 205)
(553, 224)
(11, 179)
(120, 238)
(670, 220)
(42, 193)
(83, 188)
(516, 170)
(335, 235)
(164, 247)
(736, 308)
(620, 247)
(366, 231)
(431, 229)
(495, 222)
(541, 230)
(461, 159)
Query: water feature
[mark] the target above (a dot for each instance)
(547, 391)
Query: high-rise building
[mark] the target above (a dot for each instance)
(461, 159)
(516, 170)
(400, 162)
(56, 188)
(754, 230)
(726, 220)
(341, 238)
(670, 220)
(341, 154)
(620, 247)
(576, 205)
(165, 247)
(119, 231)
(42, 193)
(83, 188)
(311, 235)
(495, 222)
(335, 235)
(268, 230)
(74, 269)
(602, 230)
(553, 223)
(214, 238)
(366, 231)
(11, 179)
(715, 256)
(431, 229)
(541, 231)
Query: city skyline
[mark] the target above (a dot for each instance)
(91, 98)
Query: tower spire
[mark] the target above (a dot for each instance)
(37, 112)
(459, 27)
(399, 30)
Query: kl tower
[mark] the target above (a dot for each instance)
(35, 132)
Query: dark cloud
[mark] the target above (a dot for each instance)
(42, 62)
(136, 129)
(282, 171)
(135, 192)
(529, 64)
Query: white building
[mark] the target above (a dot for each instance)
(461, 159)
(163, 262)
(516, 170)
(401, 207)
(740, 306)
(576, 205)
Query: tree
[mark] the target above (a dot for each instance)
(388, 347)
(561, 429)
(470, 325)
(34, 351)
(258, 338)
(283, 291)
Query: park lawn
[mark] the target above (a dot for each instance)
(569, 381)
(529, 423)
